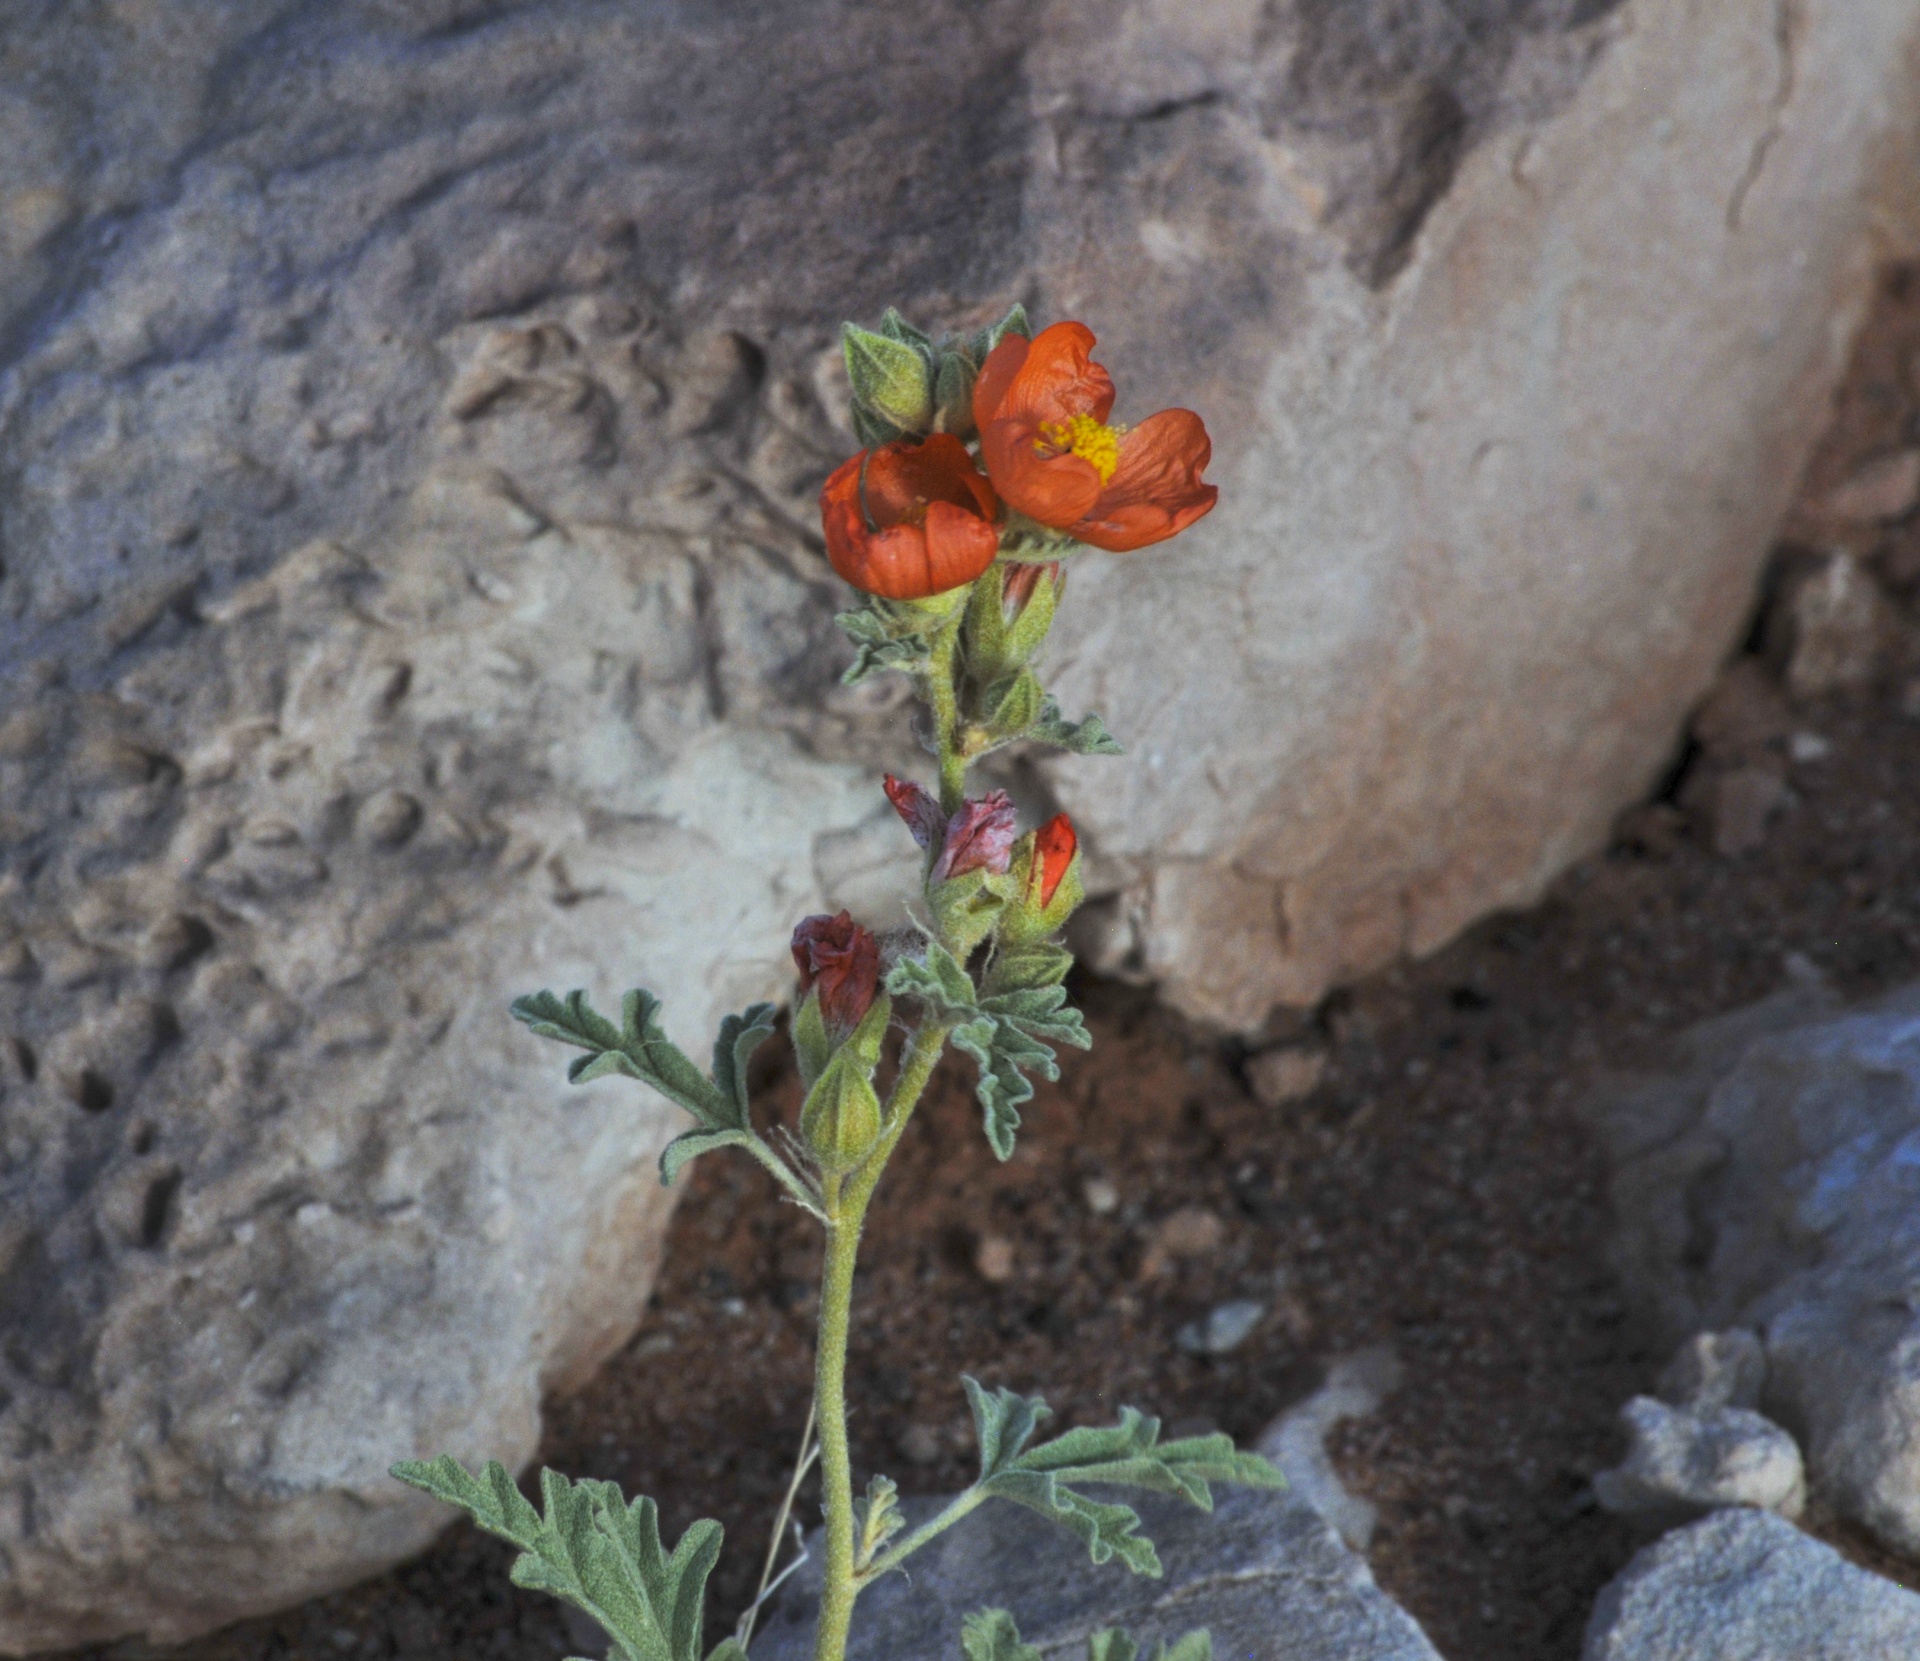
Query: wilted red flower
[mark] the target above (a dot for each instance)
(1042, 406)
(1053, 849)
(910, 519)
(979, 838)
(918, 809)
(843, 960)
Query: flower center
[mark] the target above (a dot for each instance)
(1084, 437)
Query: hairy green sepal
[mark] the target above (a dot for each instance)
(593, 1550)
(1047, 1478)
(840, 1120)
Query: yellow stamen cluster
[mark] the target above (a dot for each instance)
(1084, 437)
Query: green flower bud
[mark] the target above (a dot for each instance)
(840, 1121)
(892, 381)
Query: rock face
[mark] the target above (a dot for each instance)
(1773, 1182)
(1745, 1586)
(1684, 1462)
(410, 414)
(1264, 1573)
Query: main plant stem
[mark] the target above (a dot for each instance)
(847, 1200)
(943, 698)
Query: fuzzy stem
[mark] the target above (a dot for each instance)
(846, 1203)
(960, 1506)
(830, 1392)
(943, 698)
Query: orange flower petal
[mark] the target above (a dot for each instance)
(960, 545)
(919, 524)
(1057, 490)
(996, 375)
(1058, 379)
(1156, 491)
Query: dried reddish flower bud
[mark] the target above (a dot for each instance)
(1054, 844)
(841, 959)
(979, 838)
(1042, 408)
(1019, 582)
(909, 520)
(918, 809)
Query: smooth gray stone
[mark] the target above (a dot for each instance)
(1746, 1586)
(1264, 1573)
(1771, 1180)
(1686, 1461)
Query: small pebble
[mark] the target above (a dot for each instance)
(1192, 1231)
(1808, 746)
(993, 1259)
(1225, 1329)
(1284, 1075)
(1103, 1199)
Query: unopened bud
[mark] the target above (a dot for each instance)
(892, 379)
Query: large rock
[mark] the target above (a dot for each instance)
(410, 412)
(1745, 1586)
(1772, 1182)
(1264, 1573)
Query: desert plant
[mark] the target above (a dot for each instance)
(991, 461)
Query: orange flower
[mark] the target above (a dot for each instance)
(908, 520)
(1041, 406)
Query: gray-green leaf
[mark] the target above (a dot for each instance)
(591, 1549)
(740, 1036)
(990, 1635)
(638, 1048)
(1115, 1645)
(879, 643)
(1084, 738)
(1127, 1455)
(938, 980)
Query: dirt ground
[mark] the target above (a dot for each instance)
(1434, 1192)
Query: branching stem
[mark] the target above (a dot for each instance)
(960, 1506)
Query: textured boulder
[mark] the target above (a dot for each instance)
(1772, 1181)
(410, 412)
(1683, 1462)
(1745, 1586)
(1264, 1572)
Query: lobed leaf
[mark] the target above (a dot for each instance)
(592, 1549)
(1115, 1645)
(639, 1048)
(1126, 1455)
(879, 643)
(1031, 964)
(876, 1520)
(1084, 738)
(990, 1635)
(689, 1146)
(740, 1036)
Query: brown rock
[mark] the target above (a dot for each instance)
(1831, 627)
(1743, 714)
(993, 1259)
(1192, 1231)
(1284, 1075)
(1734, 807)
